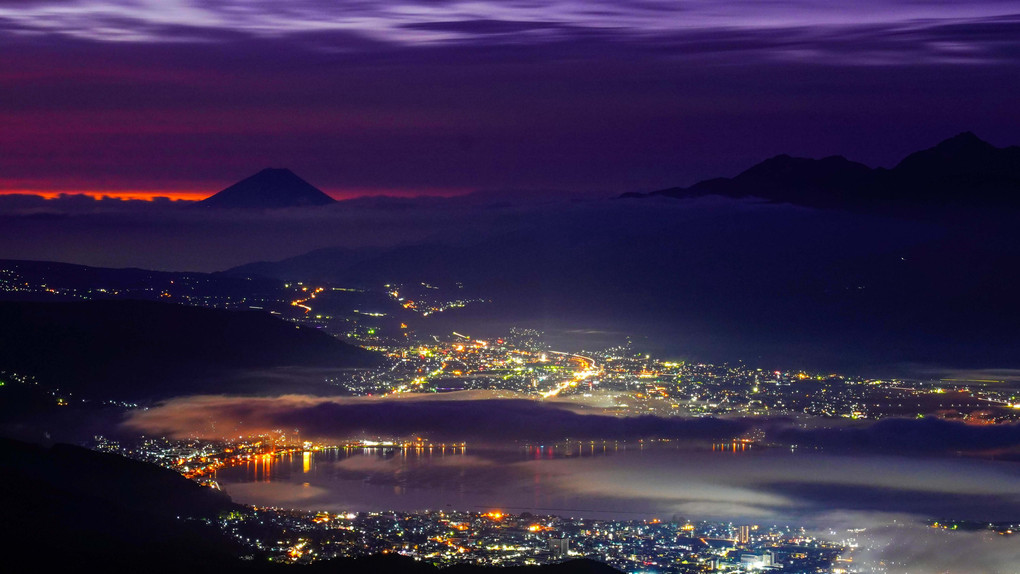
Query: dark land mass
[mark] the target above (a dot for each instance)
(67, 507)
(961, 172)
(269, 189)
(141, 350)
(35, 413)
(111, 479)
(72, 282)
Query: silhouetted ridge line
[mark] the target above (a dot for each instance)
(139, 349)
(962, 171)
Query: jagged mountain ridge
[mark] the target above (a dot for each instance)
(962, 171)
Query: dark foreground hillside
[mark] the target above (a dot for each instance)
(138, 349)
(67, 507)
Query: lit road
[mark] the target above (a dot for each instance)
(588, 369)
(301, 302)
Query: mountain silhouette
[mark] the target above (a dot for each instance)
(269, 189)
(140, 349)
(962, 171)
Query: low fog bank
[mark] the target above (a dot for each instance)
(495, 417)
(911, 548)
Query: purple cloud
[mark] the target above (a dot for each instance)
(812, 30)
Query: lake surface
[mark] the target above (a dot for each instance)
(631, 481)
(430, 478)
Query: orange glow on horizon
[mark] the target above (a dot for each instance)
(178, 195)
(123, 195)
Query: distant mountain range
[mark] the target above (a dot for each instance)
(269, 189)
(962, 171)
(123, 349)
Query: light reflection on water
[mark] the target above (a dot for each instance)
(523, 478)
(727, 481)
(323, 463)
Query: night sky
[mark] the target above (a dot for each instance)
(446, 97)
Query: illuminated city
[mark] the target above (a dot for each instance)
(621, 382)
